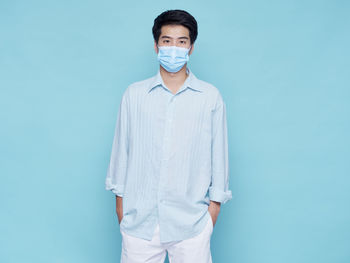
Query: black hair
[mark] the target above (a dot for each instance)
(175, 17)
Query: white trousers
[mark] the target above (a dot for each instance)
(192, 250)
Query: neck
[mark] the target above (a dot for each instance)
(174, 80)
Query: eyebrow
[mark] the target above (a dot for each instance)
(171, 37)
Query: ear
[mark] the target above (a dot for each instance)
(155, 47)
(191, 50)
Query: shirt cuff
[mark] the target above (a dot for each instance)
(117, 189)
(218, 195)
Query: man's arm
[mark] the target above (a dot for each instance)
(116, 172)
(214, 210)
(218, 189)
(119, 207)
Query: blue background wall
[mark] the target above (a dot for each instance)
(283, 70)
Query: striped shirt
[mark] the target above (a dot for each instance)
(169, 157)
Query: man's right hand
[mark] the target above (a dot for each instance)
(119, 207)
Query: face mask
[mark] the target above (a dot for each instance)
(172, 58)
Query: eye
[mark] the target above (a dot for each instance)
(166, 41)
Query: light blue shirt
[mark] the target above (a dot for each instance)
(169, 157)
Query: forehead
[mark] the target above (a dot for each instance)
(174, 31)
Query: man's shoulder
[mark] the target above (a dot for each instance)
(140, 84)
(208, 87)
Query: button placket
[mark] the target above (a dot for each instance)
(167, 129)
(165, 151)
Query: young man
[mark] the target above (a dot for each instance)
(169, 161)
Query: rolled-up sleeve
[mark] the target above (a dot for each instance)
(219, 187)
(117, 168)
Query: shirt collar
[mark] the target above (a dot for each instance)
(190, 82)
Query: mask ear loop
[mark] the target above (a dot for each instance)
(158, 48)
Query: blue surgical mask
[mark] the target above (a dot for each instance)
(172, 58)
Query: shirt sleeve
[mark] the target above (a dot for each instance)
(218, 189)
(117, 168)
